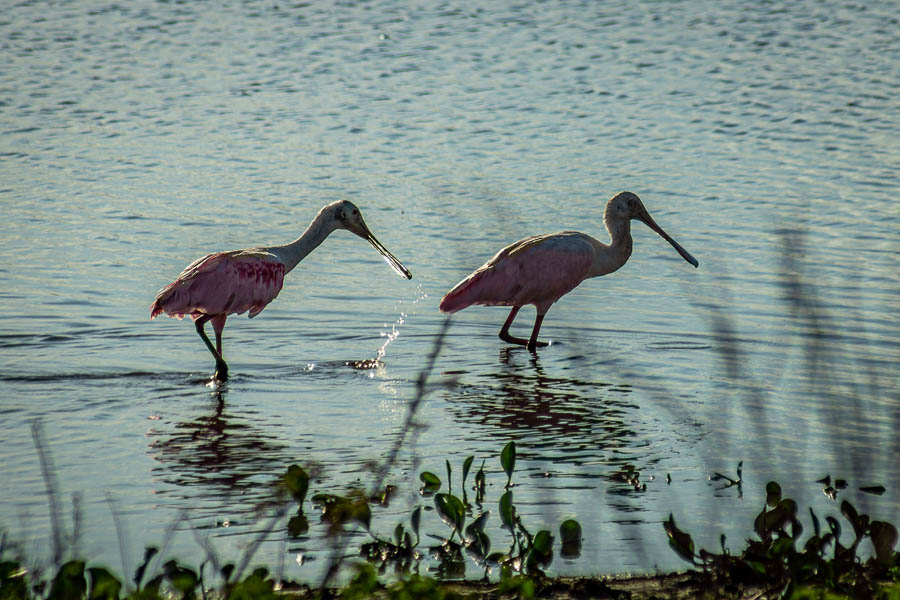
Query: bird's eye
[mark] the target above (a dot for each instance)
(355, 212)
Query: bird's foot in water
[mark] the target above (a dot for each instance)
(531, 345)
(221, 373)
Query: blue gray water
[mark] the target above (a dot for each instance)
(139, 136)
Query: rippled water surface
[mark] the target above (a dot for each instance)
(139, 136)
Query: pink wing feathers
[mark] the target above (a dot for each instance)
(536, 270)
(223, 283)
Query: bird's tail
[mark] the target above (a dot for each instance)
(461, 295)
(157, 307)
(451, 303)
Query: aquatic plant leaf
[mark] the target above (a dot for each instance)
(508, 460)
(298, 525)
(296, 480)
(507, 511)
(783, 513)
(104, 585)
(182, 579)
(432, 482)
(773, 494)
(338, 510)
(256, 585)
(569, 531)
(13, 582)
(480, 484)
(451, 510)
(782, 546)
(679, 541)
(859, 522)
(816, 526)
(542, 543)
(835, 526)
(518, 586)
(69, 583)
(479, 523)
(415, 519)
(364, 585)
(884, 538)
(384, 496)
(467, 464)
(449, 476)
(362, 514)
(759, 525)
(477, 542)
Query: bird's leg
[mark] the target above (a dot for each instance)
(218, 324)
(504, 331)
(221, 367)
(533, 343)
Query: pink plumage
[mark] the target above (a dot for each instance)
(536, 270)
(223, 283)
(239, 281)
(541, 269)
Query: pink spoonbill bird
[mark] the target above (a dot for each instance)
(541, 269)
(234, 282)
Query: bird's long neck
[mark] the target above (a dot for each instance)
(611, 258)
(291, 254)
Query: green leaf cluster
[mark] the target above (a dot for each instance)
(821, 567)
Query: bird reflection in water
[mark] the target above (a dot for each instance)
(553, 418)
(225, 455)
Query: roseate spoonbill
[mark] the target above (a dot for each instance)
(541, 269)
(226, 283)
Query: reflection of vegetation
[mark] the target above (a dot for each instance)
(778, 565)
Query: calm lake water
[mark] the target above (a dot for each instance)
(139, 136)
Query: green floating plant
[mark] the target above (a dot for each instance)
(508, 461)
(570, 536)
(430, 482)
(818, 568)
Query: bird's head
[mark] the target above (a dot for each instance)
(625, 206)
(343, 214)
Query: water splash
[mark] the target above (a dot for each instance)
(394, 333)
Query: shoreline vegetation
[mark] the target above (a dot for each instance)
(789, 552)
(779, 561)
